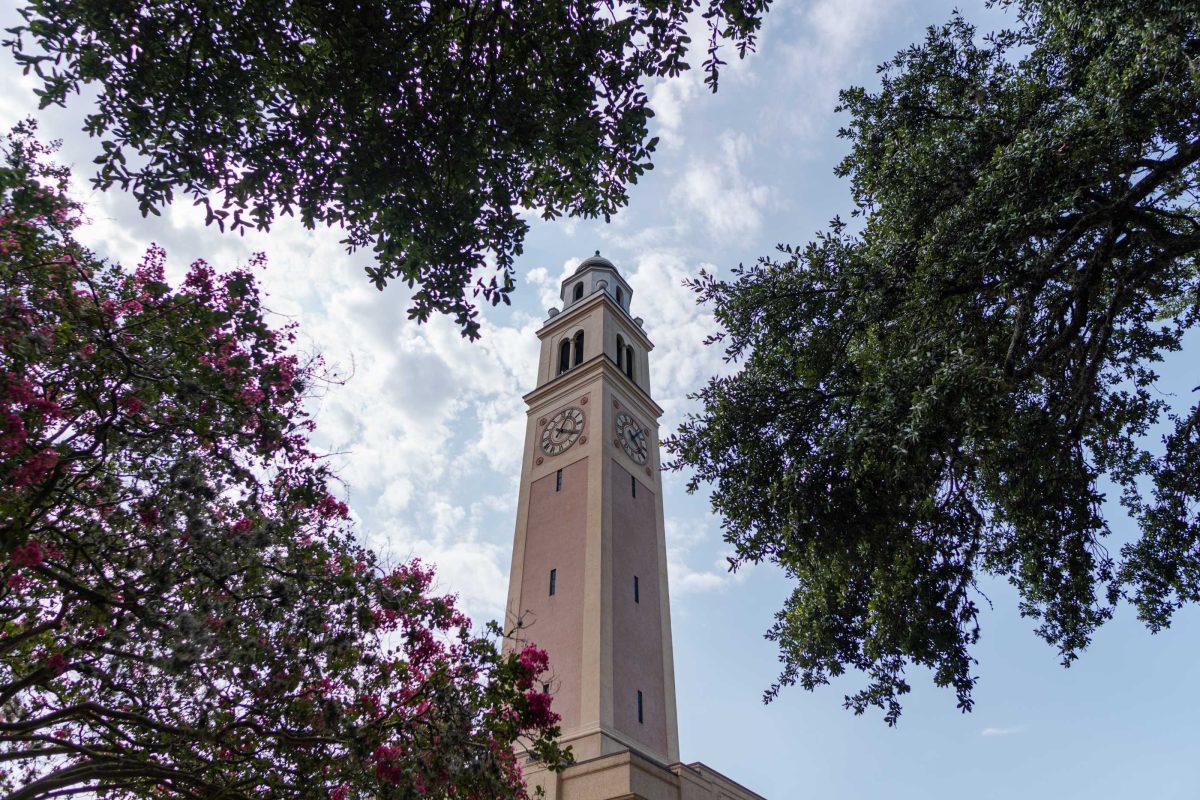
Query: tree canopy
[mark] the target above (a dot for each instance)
(184, 610)
(946, 389)
(420, 129)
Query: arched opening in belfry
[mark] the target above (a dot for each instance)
(578, 347)
(578, 291)
(564, 356)
(620, 350)
(620, 297)
(629, 362)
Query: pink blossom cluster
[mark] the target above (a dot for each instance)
(533, 662)
(163, 434)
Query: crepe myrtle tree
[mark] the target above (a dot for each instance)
(419, 129)
(947, 392)
(184, 611)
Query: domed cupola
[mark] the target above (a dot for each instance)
(595, 261)
(595, 274)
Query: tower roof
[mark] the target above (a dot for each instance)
(594, 274)
(595, 261)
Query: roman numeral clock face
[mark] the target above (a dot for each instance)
(632, 437)
(562, 431)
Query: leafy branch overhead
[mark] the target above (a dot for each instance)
(419, 129)
(941, 397)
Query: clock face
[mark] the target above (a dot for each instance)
(632, 437)
(563, 429)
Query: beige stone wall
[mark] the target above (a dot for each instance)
(621, 395)
(637, 626)
(621, 324)
(600, 322)
(589, 319)
(556, 540)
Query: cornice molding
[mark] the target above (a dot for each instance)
(567, 318)
(634, 748)
(589, 370)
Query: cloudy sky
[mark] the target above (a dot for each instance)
(428, 427)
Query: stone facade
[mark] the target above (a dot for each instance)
(589, 567)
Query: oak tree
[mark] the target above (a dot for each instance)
(945, 390)
(419, 129)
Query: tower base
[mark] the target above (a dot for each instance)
(628, 775)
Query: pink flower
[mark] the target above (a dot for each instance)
(330, 507)
(533, 661)
(56, 663)
(87, 350)
(27, 555)
(339, 792)
(251, 395)
(538, 713)
(387, 766)
(15, 434)
(132, 404)
(36, 468)
(151, 268)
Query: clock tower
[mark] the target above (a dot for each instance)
(589, 567)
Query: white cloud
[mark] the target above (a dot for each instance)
(669, 99)
(841, 25)
(684, 538)
(1002, 731)
(677, 100)
(548, 284)
(715, 192)
(826, 47)
(680, 362)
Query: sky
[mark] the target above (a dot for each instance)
(427, 430)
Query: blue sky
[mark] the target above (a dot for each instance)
(428, 429)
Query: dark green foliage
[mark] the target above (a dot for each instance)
(417, 128)
(941, 395)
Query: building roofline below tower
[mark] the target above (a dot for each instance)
(622, 767)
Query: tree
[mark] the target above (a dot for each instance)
(944, 394)
(418, 128)
(184, 610)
